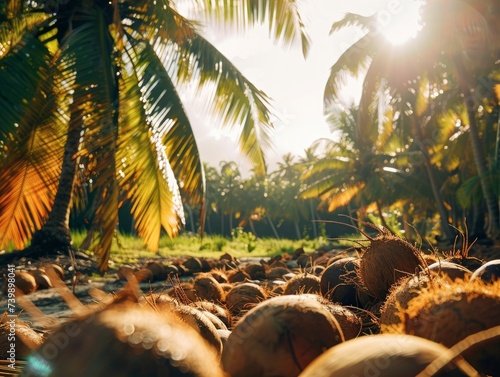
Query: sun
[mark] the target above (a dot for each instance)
(400, 20)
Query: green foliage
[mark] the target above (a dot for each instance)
(246, 238)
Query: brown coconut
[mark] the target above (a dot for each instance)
(144, 275)
(193, 264)
(280, 337)
(209, 289)
(242, 297)
(125, 340)
(302, 283)
(237, 276)
(25, 282)
(41, 278)
(447, 313)
(157, 269)
(125, 271)
(255, 271)
(201, 323)
(220, 311)
(387, 355)
(385, 260)
(449, 269)
(338, 282)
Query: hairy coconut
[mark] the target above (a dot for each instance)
(399, 297)
(237, 276)
(387, 355)
(302, 283)
(280, 337)
(315, 270)
(338, 282)
(219, 275)
(243, 297)
(124, 340)
(447, 313)
(255, 271)
(201, 323)
(193, 264)
(488, 272)
(385, 260)
(304, 260)
(221, 312)
(277, 273)
(207, 288)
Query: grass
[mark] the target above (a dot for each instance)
(130, 249)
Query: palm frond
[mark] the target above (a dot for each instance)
(352, 19)
(33, 147)
(282, 16)
(235, 99)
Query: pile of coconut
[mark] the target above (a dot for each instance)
(385, 308)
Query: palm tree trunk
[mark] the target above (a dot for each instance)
(273, 228)
(477, 152)
(443, 213)
(55, 234)
(297, 229)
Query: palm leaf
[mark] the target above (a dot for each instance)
(30, 170)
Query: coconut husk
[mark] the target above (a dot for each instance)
(385, 260)
(255, 271)
(302, 283)
(385, 355)
(219, 275)
(209, 289)
(201, 323)
(243, 297)
(399, 297)
(338, 282)
(237, 276)
(448, 312)
(280, 337)
(277, 273)
(221, 312)
(193, 264)
(125, 340)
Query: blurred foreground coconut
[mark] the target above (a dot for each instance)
(449, 312)
(379, 355)
(123, 340)
(280, 337)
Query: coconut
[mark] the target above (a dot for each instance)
(237, 276)
(193, 264)
(450, 269)
(125, 271)
(219, 275)
(25, 282)
(385, 260)
(207, 288)
(447, 313)
(144, 275)
(304, 260)
(280, 337)
(221, 312)
(41, 278)
(399, 297)
(315, 270)
(488, 272)
(157, 269)
(338, 281)
(387, 355)
(243, 297)
(201, 323)
(277, 273)
(302, 283)
(124, 340)
(255, 271)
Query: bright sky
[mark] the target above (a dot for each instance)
(295, 84)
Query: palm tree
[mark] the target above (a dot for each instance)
(455, 37)
(357, 169)
(91, 97)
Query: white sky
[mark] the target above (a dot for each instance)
(295, 84)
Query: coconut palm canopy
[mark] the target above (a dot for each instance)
(90, 101)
